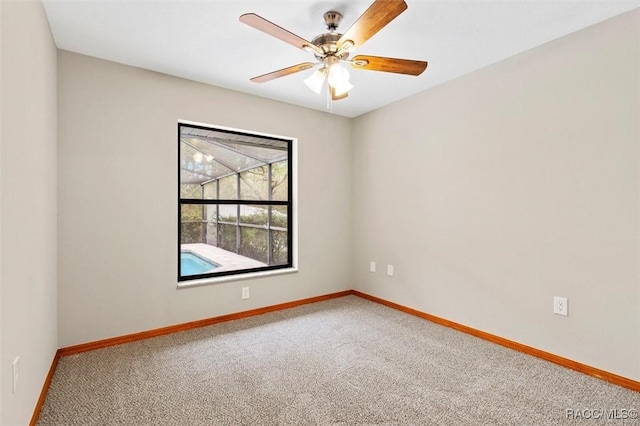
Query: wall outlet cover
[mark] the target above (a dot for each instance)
(561, 306)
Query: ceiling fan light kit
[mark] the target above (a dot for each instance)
(332, 47)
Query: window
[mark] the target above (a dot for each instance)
(235, 202)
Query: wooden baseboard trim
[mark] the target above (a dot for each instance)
(84, 347)
(564, 362)
(45, 389)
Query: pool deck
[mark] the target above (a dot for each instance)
(227, 260)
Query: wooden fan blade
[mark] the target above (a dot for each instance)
(283, 72)
(378, 63)
(335, 97)
(259, 23)
(379, 14)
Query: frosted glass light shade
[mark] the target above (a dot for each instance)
(315, 80)
(339, 79)
(341, 89)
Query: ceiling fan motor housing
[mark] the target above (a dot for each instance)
(328, 42)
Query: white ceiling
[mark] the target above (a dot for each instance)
(204, 40)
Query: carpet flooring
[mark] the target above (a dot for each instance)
(345, 361)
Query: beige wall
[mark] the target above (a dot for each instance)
(117, 199)
(499, 190)
(28, 211)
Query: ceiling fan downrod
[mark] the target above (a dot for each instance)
(332, 19)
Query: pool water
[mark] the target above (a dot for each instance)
(191, 264)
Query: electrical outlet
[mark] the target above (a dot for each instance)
(390, 270)
(560, 306)
(245, 292)
(15, 366)
(372, 266)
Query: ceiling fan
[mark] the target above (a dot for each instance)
(332, 48)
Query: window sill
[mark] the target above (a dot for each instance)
(239, 277)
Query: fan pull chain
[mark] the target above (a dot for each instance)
(329, 100)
